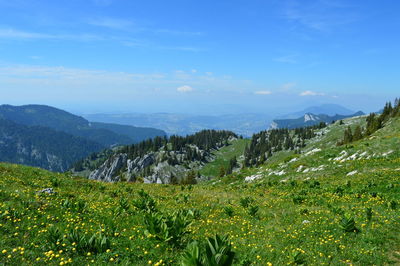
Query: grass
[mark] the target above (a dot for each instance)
(315, 217)
(223, 156)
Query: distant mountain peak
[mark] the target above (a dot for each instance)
(309, 117)
(326, 109)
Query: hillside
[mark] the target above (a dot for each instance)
(160, 160)
(42, 147)
(136, 134)
(56, 119)
(327, 205)
(309, 119)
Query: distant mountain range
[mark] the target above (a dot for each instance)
(326, 109)
(182, 124)
(51, 138)
(245, 124)
(309, 119)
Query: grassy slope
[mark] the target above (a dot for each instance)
(298, 219)
(223, 156)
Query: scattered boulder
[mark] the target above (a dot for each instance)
(46, 191)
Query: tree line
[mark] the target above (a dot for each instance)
(374, 123)
(265, 143)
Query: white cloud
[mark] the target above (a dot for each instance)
(184, 88)
(311, 93)
(263, 92)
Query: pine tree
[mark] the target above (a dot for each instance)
(357, 133)
(348, 136)
(190, 178)
(221, 171)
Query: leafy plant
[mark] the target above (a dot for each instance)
(123, 205)
(191, 256)
(229, 211)
(54, 236)
(393, 204)
(297, 258)
(218, 252)
(55, 182)
(170, 228)
(348, 224)
(298, 199)
(368, 212)
(81, 206)
(245, 202)
(145, 202)
(253, 210)
(97, 243)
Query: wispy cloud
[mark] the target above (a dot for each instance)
(288, 59)
(177, 32)
(39, 77)
(265, 92)
(132, 26)
(113, 23)
(10, 33)
(17, 34)
(311, 93)
(184, 88)
(320, 15)
(14, 34)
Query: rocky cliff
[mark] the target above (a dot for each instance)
(160, 161)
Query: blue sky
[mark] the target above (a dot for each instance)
(199, 56)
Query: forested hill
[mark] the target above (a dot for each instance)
(158, 160)
(266, 143)
(42, 146)
(56, 119)
(136, 134)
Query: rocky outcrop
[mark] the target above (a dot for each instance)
(154, 167)
(110, 169)
(160, 160)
